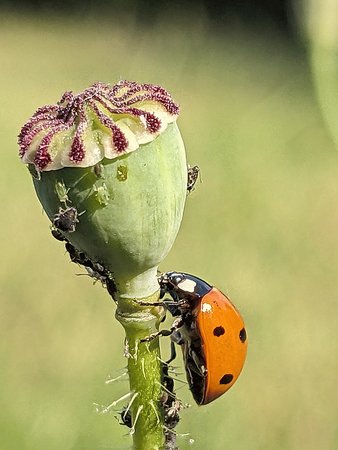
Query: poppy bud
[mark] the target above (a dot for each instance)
(110, 171)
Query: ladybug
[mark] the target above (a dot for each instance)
(209, 329)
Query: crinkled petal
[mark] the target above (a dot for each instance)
(101, 122)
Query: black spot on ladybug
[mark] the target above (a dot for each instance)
(218, 331)
(226, 379)
(242, 335)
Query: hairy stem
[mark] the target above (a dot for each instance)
(145, 371)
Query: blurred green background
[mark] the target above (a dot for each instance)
(262, 225)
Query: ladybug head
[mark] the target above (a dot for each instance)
(169, 283)
(173, 279)
(179, 285)
(183, 285)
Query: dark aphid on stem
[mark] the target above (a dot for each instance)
(58, 235)
(97, 275)
(172, 416)
(66, 219)
(125, 416)
(167, 381)
(111, 286)
(193, 173)
(169, 402)
(76, 256)
(94, 269)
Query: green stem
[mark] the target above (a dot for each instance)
(145, 371)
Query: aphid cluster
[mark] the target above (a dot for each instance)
(94, 269)
(65, 221)
(168, 402)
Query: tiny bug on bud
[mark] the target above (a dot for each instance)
(193, 173)
(66, 219)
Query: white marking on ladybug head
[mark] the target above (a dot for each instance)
(187, 285)
(206, 307)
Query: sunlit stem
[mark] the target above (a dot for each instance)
(144, 367)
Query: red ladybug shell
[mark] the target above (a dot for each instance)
(223, 343)
(213, 336)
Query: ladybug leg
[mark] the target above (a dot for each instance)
(197, 364)
(178, 322)
(177, 338)
(200, 365)
(172, 306)
(169, 304)
(141, 303)
(172, 351)
(168, 382)
(163, 318)
(175, 308)
(164, 303)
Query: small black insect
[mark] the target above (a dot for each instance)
(78, 257)
(66, 219)
(110, 285)
(125, 416)
(58, 235)
(172, 414)
(193, 173)
(94, 269)
(170, 404)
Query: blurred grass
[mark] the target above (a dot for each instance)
(318, 24)
(262, 226)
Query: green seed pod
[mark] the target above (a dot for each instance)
(110, 171)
